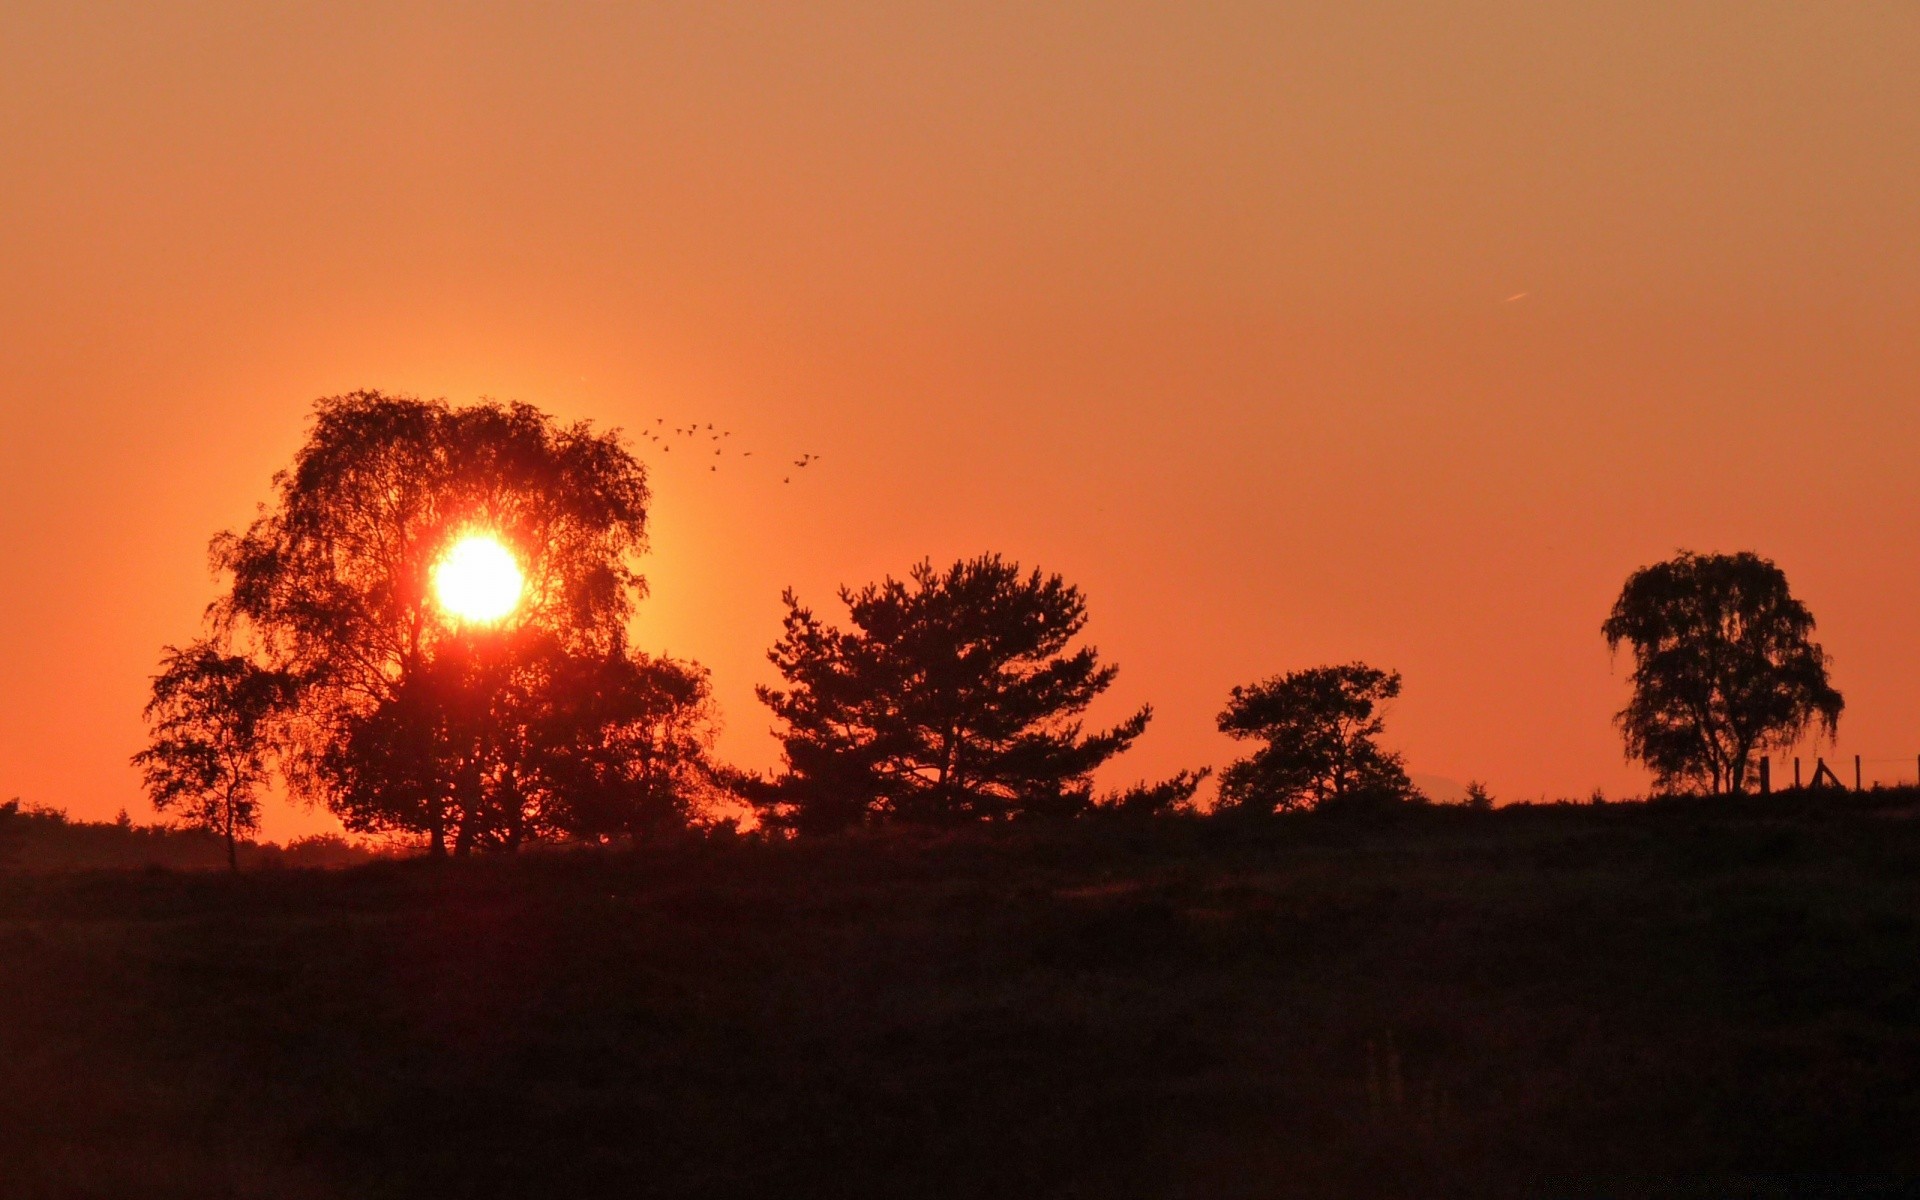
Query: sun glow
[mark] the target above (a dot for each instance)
(478, 580)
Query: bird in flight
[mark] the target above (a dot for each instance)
(662, 435)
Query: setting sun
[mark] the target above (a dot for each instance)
(478, 579)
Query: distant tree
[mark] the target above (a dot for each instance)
(208, 758)
(406, 719)
(1318, 726)
(1477, 796)
(1725, 667)
(956, 696)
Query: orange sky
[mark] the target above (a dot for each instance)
(1204, 305)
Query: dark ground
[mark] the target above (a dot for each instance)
(1679, 999)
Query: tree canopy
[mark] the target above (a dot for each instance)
(403, 717)
(1318, 727)
(1725, 666)
(334, 576)
(955, 695)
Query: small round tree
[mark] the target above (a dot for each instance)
(1724, 667)
(209, 756)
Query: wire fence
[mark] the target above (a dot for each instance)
(1852, 772)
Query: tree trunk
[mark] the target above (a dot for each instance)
(472, 794)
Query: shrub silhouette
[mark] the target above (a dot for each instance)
(1155, 798)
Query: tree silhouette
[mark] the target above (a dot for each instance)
(1725, 666)
(405, 718)
(208, 758)
(517, 738)
(955, 696)
(1318, 726)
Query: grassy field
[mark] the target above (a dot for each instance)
(1685, 999)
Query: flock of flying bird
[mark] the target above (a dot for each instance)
(663, 435)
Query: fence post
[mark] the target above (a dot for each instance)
(1766, 774)
(1856, 773)
(1796, 772)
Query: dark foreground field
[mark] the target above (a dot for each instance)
(1675, 1000)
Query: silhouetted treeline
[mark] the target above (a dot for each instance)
(957, 695)
(36, 839)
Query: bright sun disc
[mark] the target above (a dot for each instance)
(477, 579)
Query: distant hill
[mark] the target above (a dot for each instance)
(1440, 789)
